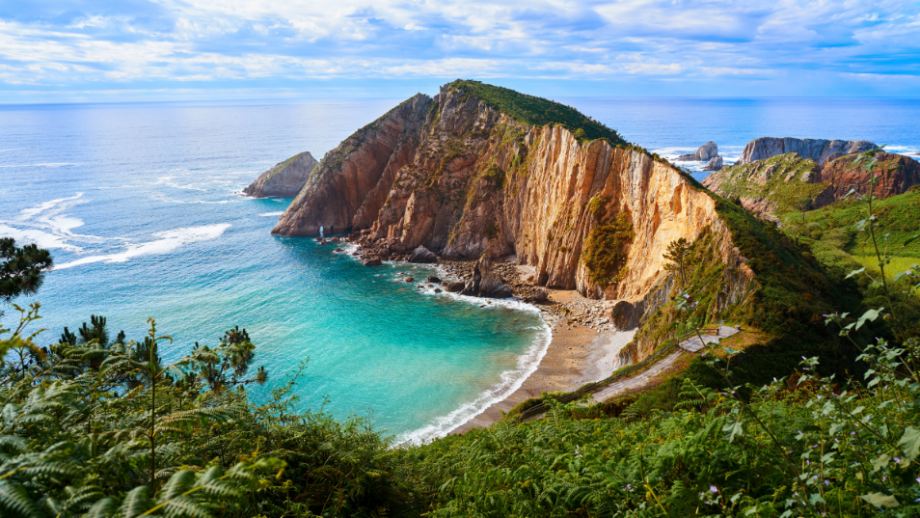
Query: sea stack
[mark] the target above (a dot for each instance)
(285, 179)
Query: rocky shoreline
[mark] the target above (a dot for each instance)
(458, 276)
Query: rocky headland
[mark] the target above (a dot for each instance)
(790, 182)
(480, 172)
(285, 179)
(818, 150)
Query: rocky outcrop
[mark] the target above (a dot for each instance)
(352, 182)
(843, 174)
(779, 184)
(821, 151)
(788, 182)
(485, 282)
(466, 180)
(715, 163)
(705, 152)
(284, 180)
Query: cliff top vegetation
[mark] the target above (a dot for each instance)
(536, 111)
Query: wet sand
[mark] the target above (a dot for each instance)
(576, 355)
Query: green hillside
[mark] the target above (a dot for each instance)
(537, 111)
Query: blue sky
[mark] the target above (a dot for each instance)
(130, 50)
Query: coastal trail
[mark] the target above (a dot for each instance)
(643, 378)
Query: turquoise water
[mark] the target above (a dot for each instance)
(139, 206)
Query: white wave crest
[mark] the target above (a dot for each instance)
(41, 238)
(271, 214)
(167, 242)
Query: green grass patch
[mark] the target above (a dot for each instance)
(784, 180)
(537, 111)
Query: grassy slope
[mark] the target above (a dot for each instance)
(899, 217)
(787, 188)
(537, 111)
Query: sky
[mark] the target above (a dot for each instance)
(150, 50)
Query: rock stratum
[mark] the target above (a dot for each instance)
(472, 172)
(818, 150)
(285, 179)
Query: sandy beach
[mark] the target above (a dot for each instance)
(576, 355)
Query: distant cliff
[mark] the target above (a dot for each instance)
(817, 150)
(788, 182)
(284, 180)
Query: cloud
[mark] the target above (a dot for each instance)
(74, 44)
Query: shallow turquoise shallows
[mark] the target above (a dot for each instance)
(139, 205)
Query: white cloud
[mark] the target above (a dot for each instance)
(245, 40)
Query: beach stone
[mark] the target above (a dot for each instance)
(422, 255)
(409, 279)
(454, 287)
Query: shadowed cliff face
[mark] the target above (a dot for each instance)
(463, 180)
(351, 181)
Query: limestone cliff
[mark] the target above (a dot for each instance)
(284, 180)
(818, 150)
(476, 170)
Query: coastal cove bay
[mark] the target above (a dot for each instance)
(139, 205)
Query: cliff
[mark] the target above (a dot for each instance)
(479, 170)
(284, 180)
(818, 150)
(787, 183)
(462, 176)
(844, 174)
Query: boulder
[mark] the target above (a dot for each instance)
(339, 250)
(486, 282)
(409, 279)
(715, 163)
(437, 290)
(434, 280)
(703, 153)
(423, 256)
(398, 248)
(454, 287)
(372, 261)
(625, 316)
(539, 297)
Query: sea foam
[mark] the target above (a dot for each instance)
(167, 242)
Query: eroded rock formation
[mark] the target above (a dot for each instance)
(819, 150)
(284, 180)
(466, 180)
(844, 174)
(705, 152)
(789, 182)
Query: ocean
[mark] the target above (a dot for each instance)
(140, 206)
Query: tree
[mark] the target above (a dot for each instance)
(676, 254)
(22, 270)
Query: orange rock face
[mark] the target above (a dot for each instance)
(463, 180)
(842, 174)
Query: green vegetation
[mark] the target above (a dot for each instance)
(537, 111)
(21, 270)
(99, 427)
(783, 180)
(607, 245)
